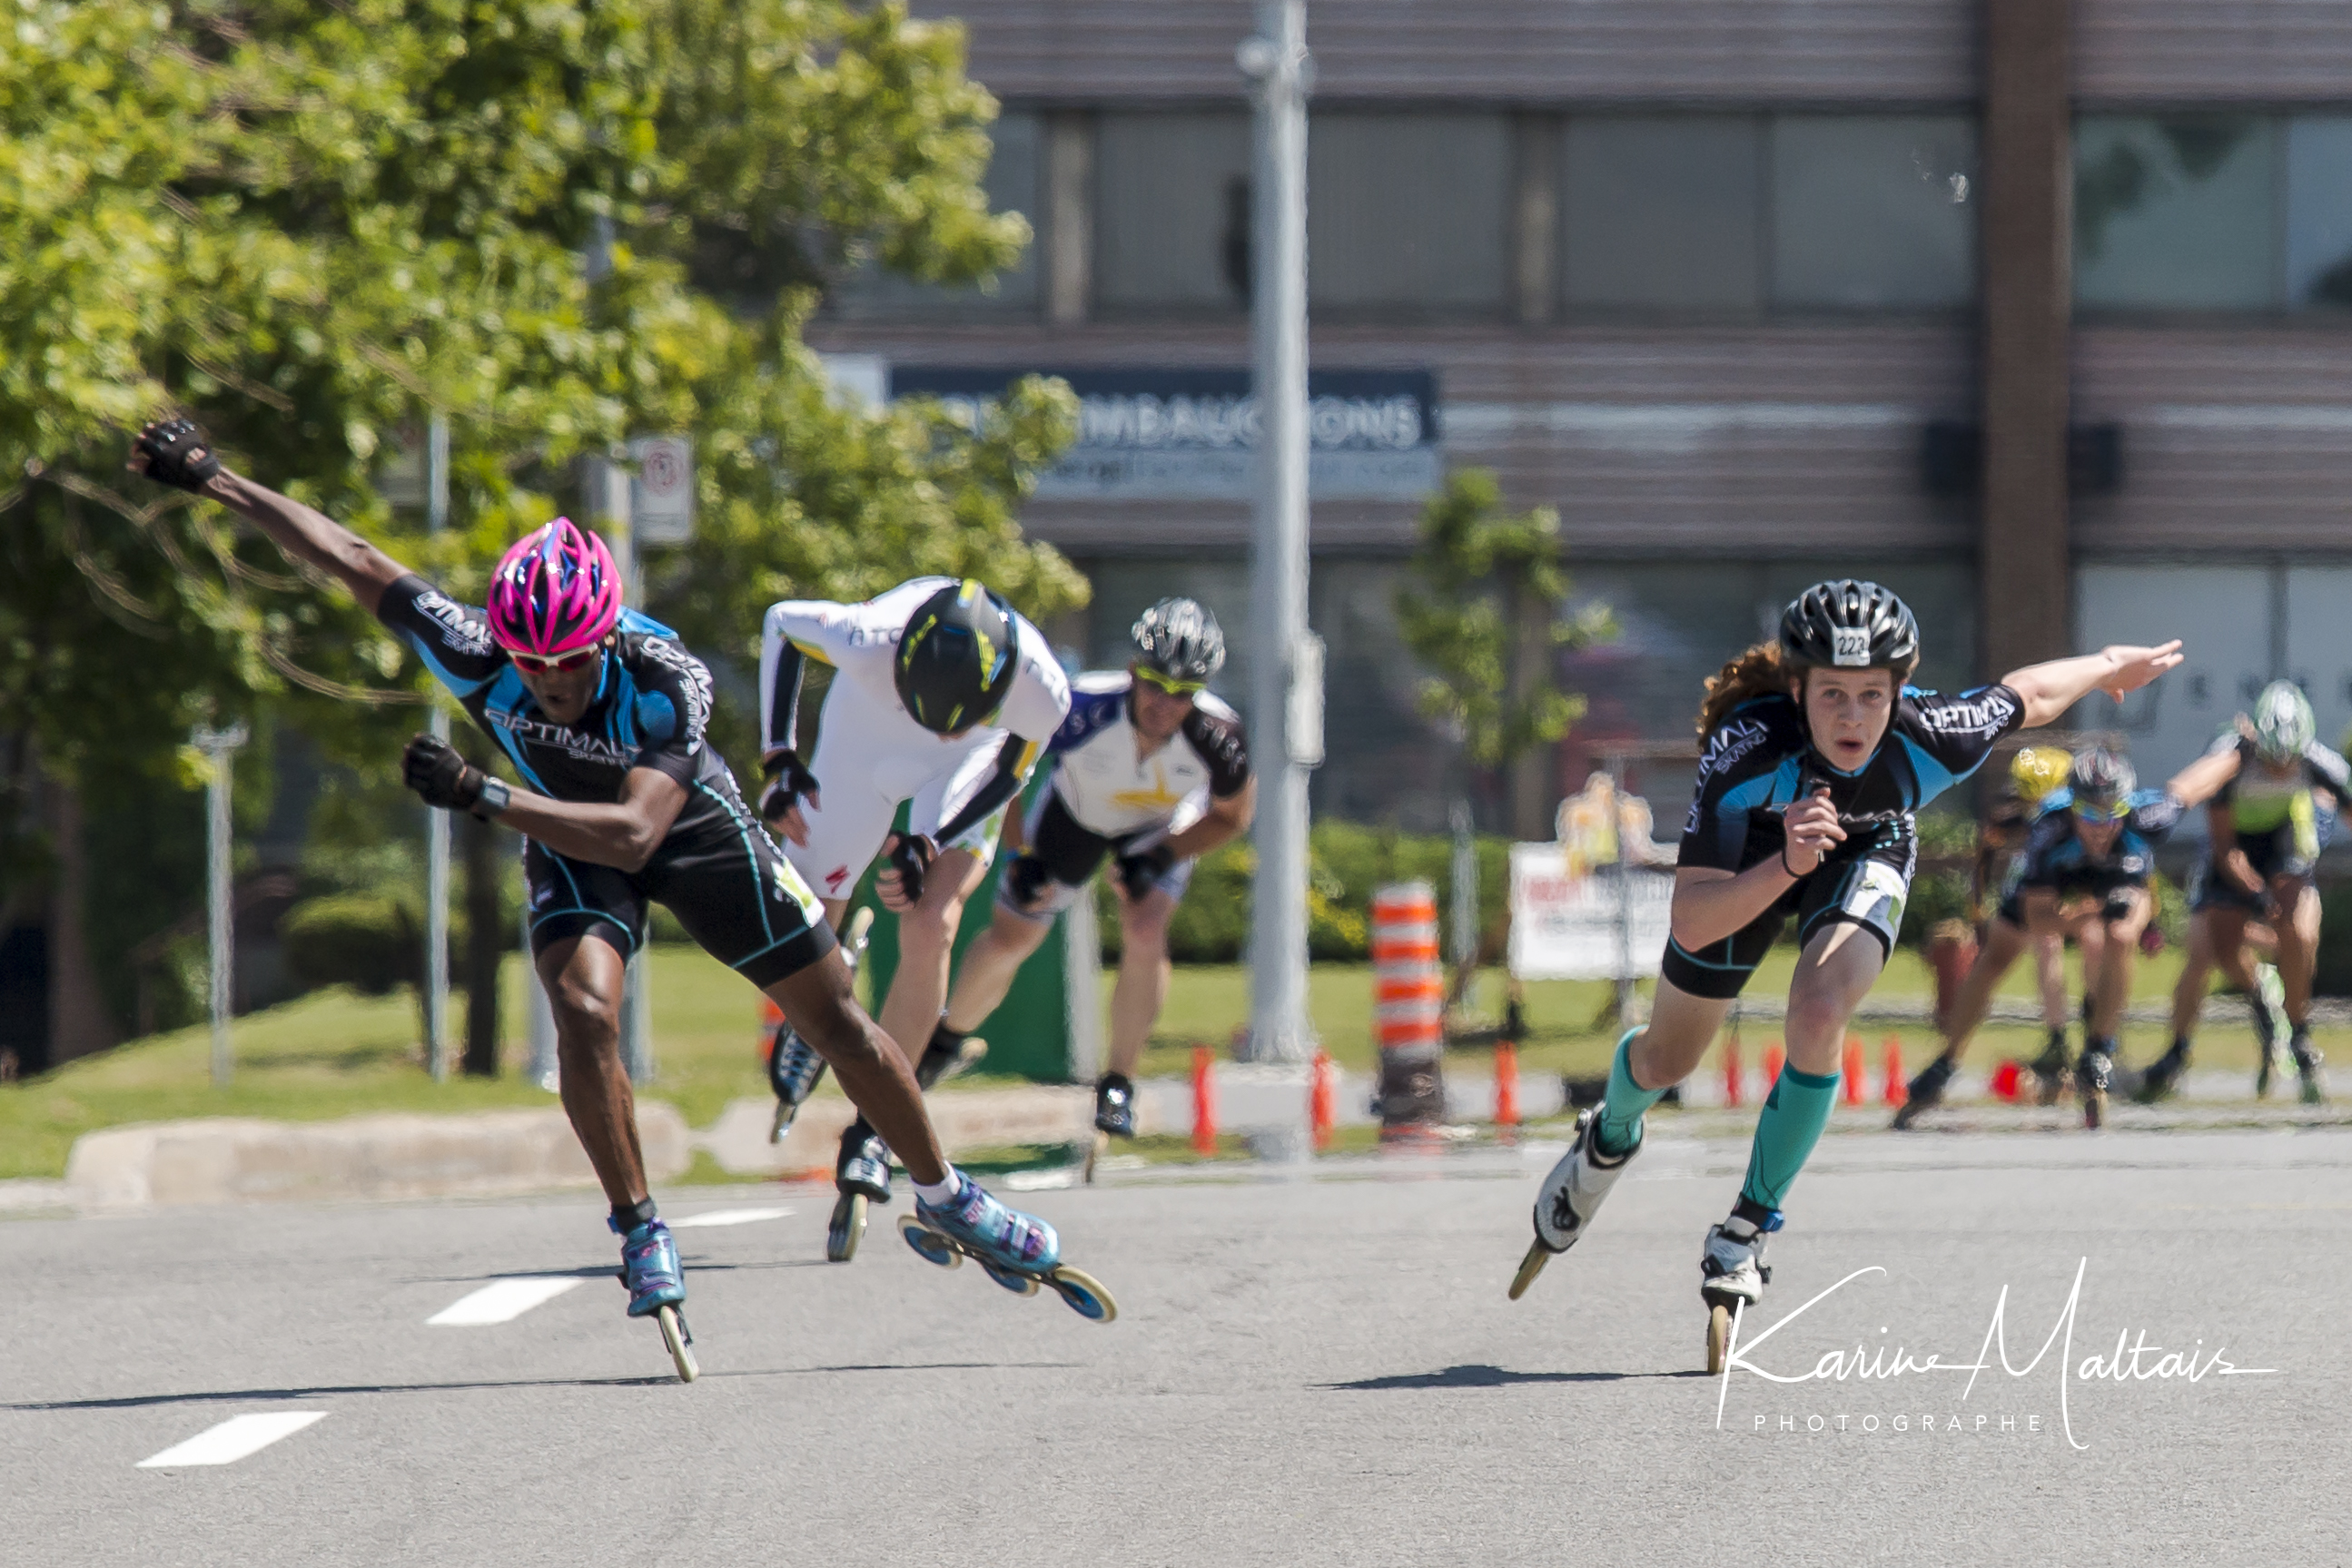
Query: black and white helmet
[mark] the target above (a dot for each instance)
(1846, 624)
(1180, 639)
(2100, 777)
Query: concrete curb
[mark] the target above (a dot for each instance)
(233, 1160)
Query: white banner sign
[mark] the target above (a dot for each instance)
(1576, 927)
(661, 492)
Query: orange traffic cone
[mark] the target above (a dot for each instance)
(1322, 1096)
(1204, 1102)
(1854, 1070)
(1731, 1087)
(1506, 1085)
(1897, 1090)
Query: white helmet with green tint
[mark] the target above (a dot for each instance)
(2284, 723)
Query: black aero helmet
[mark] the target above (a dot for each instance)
(2100, 777)
(956, 658)
(1846, 624)
(1180, 639)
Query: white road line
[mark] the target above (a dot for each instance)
(500, 1302)
(728, 1216)
(233, 1440)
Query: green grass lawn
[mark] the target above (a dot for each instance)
(334, 1054)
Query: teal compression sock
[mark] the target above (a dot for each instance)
(1794, 1114)
(1618, 1128)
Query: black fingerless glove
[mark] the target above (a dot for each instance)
(1025, 878)
(1137, 871)
(444, 779)
(787, 782)
(178, 455)
(911, 855)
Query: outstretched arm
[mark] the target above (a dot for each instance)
(2203, 779)
(173, 451)
(2049, 690)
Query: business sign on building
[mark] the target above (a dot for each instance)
(1165, 434)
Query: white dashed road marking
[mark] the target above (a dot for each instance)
(233, 1440)
(500, 1301)
(728, 1216)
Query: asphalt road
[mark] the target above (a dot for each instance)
(1307, 1370)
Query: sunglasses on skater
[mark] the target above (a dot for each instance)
(532, 664)
(2112, 812)
(1169, 684)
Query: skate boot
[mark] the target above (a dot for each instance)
(1115, 1105)
(1570, 1196)
(2094, 1071)
(1732, 1275)
(1926, 1092)
(2049, 1069)
(2307, 1062)
(2156, 1083)
(1017, 1250)
(657, 1286)
(948, 1055)
(862, 1175)
(2268, 1008)
(649, 1268)
(794, 1069)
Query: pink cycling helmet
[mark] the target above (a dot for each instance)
(556, 591)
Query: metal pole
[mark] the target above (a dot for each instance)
(436, 823)
(219, 747)
(1287, 686)
(544, 1069)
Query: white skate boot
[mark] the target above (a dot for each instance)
(1732, 1277)
(1571, 1196)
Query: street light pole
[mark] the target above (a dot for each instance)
(219, 748)
(1286, 686)
(436, 823)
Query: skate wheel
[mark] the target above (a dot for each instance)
(1095, 1149)
(1530, 1266)
(1085, 1294)
(848, 1226)
(781, 1125)
(680, 1342)
(2095, 1111)
(933, 1246)
(1019, 1284)
(1719, 1338)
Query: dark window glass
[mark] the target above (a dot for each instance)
(1662, 212)
(1171, 211)
(2175, 212)
(1873, 210)
(1408, 212)
(2319, 213)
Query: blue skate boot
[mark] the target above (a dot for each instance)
(656, 1285)
(1018, 1251)
(862, 1175)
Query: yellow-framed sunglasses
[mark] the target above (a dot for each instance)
(1169, 684)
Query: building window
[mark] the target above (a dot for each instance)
(2176, 211)
(1172, 213)
(1407, 213)
(1663, 213)
(1874, 212)
(1015, 183)
(2319, 213)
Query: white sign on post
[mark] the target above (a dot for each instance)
(1564, 920)
(661, 492)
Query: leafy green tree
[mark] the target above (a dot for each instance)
(1482, 613)
(305, 225)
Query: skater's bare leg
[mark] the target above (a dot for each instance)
(2228, 932)
(869, 1065)
(1836, 970)
(582, 977)
(926, 933)
(2111, 982)
(2050, 974)
(989, 964)
(1143, 973)
(1681, 1028)
(2003, 943)
(2196, 971)
(2298, 942)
